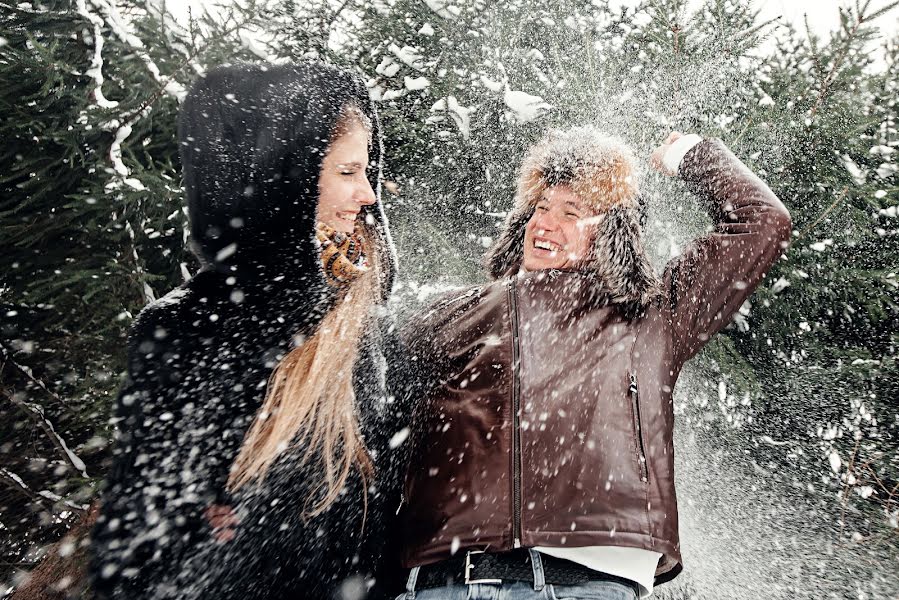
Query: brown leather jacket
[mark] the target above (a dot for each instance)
(546, 418)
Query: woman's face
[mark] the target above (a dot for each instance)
(559, 233)
(343, 187)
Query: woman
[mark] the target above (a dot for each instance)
(254, 423)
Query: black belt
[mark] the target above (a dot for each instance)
(477, 566)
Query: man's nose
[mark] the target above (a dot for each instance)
(546, 221)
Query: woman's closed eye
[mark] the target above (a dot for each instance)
(351, 168)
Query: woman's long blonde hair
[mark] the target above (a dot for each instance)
(310, 401)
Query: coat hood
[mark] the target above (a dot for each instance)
(601, 170)
(252, 141)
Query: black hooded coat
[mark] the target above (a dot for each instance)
(252, 142)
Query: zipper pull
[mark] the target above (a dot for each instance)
(633, 383)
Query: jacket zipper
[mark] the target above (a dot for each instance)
(516, 420)
(638, 432)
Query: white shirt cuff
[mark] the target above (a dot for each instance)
(678, 150)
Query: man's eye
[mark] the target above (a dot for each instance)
(348, 172)
(541, 208)
(572, 215)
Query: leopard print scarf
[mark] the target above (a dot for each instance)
(343, 255)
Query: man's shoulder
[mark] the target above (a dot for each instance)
(455, 300)
(435, 314)
(454, 296)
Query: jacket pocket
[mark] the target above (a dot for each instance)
(634, 393)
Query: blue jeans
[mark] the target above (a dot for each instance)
(521, 590)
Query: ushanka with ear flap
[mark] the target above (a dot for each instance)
(599, 169)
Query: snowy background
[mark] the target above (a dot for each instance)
(788, 423)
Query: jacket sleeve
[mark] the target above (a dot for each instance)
(151, 508)
(708, 282)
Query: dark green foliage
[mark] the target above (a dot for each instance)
(80, 249)
(84, 247)
(831, 359)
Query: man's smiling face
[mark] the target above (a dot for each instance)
(560, 232)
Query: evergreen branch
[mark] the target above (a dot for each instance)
(123, 130)
(114, 22)
(15, 482)
(29, 374)
(741, 35)
(813, 45)
(891, 496)
(861, 19)
(883, 11)
(839, 197)
(324, 31)
(133, 116)
(36, 413)
(96, 69)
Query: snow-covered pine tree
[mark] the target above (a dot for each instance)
(93, 230)
(824, 334)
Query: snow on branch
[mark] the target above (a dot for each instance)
(460, 114)
(6, 354)
(443, 8)
(15, 482)
(36, 412)
(524, 107)
(111, 18)
(175, 33)
(114, 21)
(149, 294)
(96, 70)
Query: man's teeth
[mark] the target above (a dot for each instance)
(547, 245)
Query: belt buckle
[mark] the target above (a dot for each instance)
(469, 567)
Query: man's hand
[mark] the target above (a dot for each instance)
(655, 160)
(223, 520)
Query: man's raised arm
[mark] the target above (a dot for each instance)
(715, 273)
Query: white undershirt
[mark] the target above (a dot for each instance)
(635, 564)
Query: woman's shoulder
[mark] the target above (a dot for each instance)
(178, 353)
(183, 312)
(178, 332)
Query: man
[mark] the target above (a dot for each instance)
(544, 457)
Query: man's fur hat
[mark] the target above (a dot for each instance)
(600, 169)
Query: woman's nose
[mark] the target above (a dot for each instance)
(366, 196)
